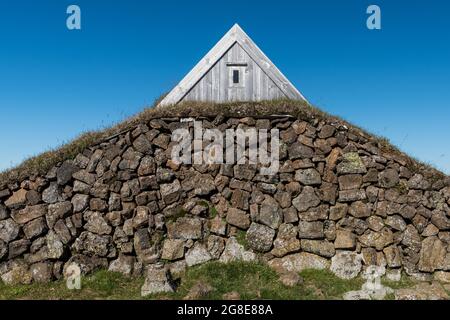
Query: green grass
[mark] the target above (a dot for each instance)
(241, 239)
(405, 282)
(100, 285)
(213, 212)
(252, 280)
(328, 286)
(257, 281)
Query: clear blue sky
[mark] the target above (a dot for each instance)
(56, 83)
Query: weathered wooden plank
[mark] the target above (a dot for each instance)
(248, 79)
(264, 86)
(201, 68)
(240, 53)
(215, 84)
(223, 79)
(210, 79)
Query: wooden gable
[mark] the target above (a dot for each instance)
(235, 69)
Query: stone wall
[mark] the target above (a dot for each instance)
(339, 201)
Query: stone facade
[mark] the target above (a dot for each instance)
(340, 200)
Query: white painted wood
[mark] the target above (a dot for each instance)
(211, 79)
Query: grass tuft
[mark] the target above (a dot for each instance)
(40, 164)
(252, 280)
(100, 285)
(242, 239)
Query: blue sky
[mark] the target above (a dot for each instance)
(56, 83)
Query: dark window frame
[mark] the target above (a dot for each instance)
(236, 76)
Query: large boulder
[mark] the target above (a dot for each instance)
(308, 177)
(200, 184)
(185, 228)
(320, 247)
(440, 220)
(244, 172)
(123, 264)
(388, 178)
(147, 166)
(42, 272)
(346, 264)
(58, 211)
(350, 181)
(158, 280)
(197, 254)
(240, 199)
(9, 230)
(130, 160)
(80, 202)
(18, 199)
(173, 249)
(29, 213)
(377, 240)
(143, 145)
(64, 173)
(393, 256)
(359, 209)
(411, 238)
(310, 230)
(260, 237)
(218, 226)
(298, 262)
(418, 181)
(92, 244)
(34, 228)
(215, 246)
(299, 150)
(351, 163)
(170, 192)
(238, 218)
(286, 241)
(51, 194)
(235, 252)
(97, 224)
(306, 199)
(54, 245)
(396, 222)
(314, 214)
(345, 239)
(270, 213)
(17, 273)
(338, 211)
(17, 248)
(432, 254)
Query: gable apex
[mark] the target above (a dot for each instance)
(220, 77)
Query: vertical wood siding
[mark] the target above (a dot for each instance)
(216, 85)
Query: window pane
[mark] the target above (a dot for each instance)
(235, 76)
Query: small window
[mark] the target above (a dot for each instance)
(235, 76)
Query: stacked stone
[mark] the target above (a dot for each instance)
(339, 198)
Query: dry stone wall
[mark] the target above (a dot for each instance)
(339, 201)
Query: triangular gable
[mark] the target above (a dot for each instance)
(235, 34)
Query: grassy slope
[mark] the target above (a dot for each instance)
(40, 164)
(250, 280)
